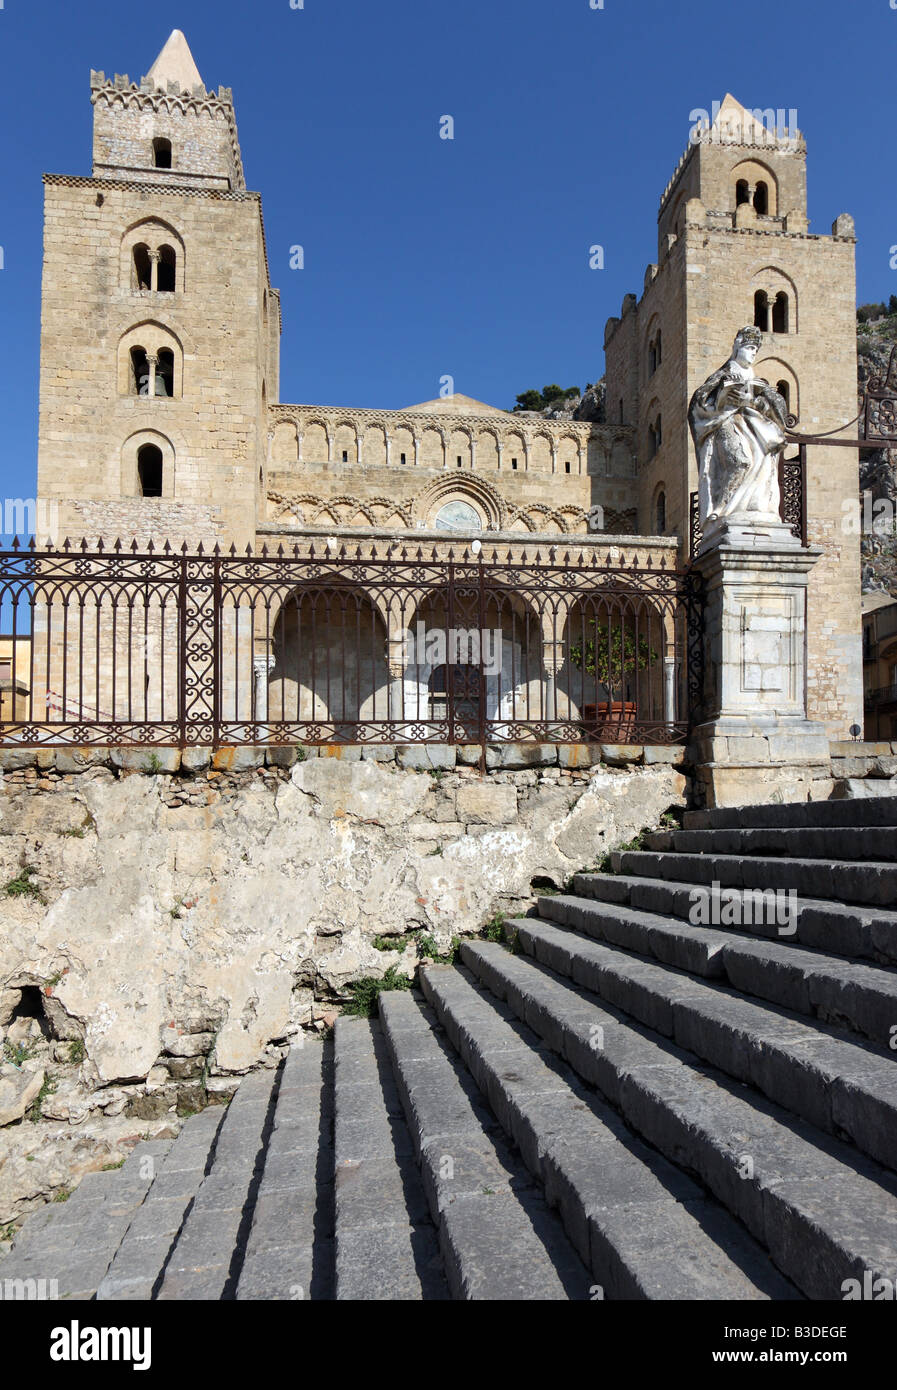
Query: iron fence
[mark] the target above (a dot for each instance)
(354, 646)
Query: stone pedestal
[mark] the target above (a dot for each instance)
(755, 743)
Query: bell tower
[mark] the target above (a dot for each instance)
(734, 248)
(159, 327)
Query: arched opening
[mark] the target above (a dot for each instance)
(658, 347)
(165, 373)
(613, 670)
(761, 198)
(149, 470)
(784, 390)
(161, 153)
(761, 311)
(166, 271)
(655, 436)
(780, 313)
(330, 669)
(143, 268)
(139, 374)
(742, 192)
(660, 513)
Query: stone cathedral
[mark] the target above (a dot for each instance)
(160, 397)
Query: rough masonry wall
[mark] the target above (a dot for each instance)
(251, 901)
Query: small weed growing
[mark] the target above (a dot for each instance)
(47, 1089)
(22, 887)
(366, 993)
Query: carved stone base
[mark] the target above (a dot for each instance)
(747, 531)
(748, 761)
(756, 743)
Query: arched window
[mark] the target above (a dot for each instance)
(784, 390)
(655, 436)
(761, 311)
(621, 410)
(660, 513)
(162, 153)
(780, 313)
(761, 198)
(742, 192)
(152, 257)
(166, 270)
(140, 373)
(658, 346)
(149, 470)
(143, 269)
(165, 373)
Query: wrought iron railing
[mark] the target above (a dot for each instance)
(792, 503)
(349, 645)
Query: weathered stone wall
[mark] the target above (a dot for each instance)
(234, 908)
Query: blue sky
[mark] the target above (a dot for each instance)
(426, 257)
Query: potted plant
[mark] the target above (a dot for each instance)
(611, 658)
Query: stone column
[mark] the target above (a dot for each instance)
(152, 362)
(262, 667)
(756, 743)
(669, 688)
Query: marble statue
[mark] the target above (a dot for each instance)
(738, 426)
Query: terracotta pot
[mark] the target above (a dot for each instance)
(612, 717)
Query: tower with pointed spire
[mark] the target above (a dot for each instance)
(160, 329)
(734, 248)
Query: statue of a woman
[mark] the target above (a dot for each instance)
(738, 425)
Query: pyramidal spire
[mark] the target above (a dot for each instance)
(175, 64)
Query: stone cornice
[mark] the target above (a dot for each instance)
(528, 427)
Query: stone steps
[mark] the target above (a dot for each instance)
(823, 1212)
(861, 998)
(841, 1086)
(289, 1252)
(839, 929)
(876, 811)
(75, 1242)
(846, 842)
(386, 1244)
(869, 884)
(207, 1257)
(498, 1238)
(644, 1229)
(136, 1270)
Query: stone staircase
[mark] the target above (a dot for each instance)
(626, 1105)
